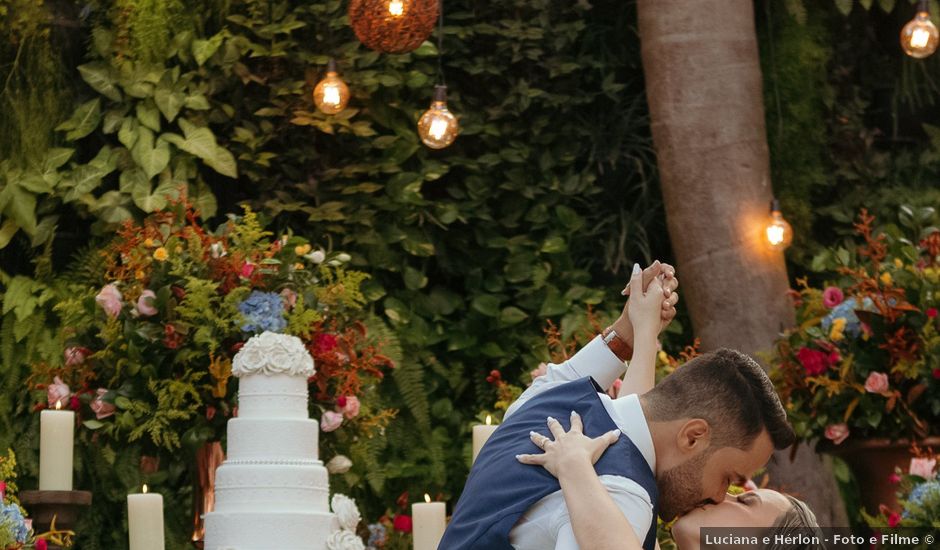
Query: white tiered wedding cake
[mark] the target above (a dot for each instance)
(272, 491)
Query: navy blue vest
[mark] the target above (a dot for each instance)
(500, 489)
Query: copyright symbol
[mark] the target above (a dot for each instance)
(928, 539)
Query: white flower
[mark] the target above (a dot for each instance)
(344, 540)
(317, 256)
(339, 464)
(346, 511)
(217, 250)
(343, 257)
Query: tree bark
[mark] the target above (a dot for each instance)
(703, 85)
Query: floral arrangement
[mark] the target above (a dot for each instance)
(154, 321)
(918, 496)
(864, 359)
(393, 531)
(16, 530)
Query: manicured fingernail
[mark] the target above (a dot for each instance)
(550, 419)
(623, 292)
(533, 434)
(616, 433)
(574, 413)
(636, 269)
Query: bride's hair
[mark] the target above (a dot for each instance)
(796, 524)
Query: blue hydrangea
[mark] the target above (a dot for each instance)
(924, 495)
(263, 311)
(12, 524)
(377, 535)
(847, 310)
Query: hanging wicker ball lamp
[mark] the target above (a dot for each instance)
(393, 26)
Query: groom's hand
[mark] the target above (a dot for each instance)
(624, 327)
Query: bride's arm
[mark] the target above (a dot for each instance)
(598, 523)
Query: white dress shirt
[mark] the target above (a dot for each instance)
(547, 524)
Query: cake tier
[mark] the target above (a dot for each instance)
(272, 396)
(271, 488)
(272, 439)
(268, 531)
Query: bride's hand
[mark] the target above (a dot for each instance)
(568, 449)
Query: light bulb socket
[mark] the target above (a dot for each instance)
(774, 205)
(923, 6)
(331, 66)
(440, 92)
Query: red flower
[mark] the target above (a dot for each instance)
(494, 377)
(341, 401)
(894, 519)
(171, 338)
(894, 478)
(402, 523)
(931, 312)
(815, 362)
(936, 374)
(41, 544)
(179, 292)
(324, 343)
(74, 403)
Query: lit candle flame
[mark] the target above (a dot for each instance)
(331, 95)
(396, 8)
(489, 420)
(427, 497)
(919, 38)
(145, 488)
(58, 405)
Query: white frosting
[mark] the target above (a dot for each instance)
(272, 353)
(344, 540)
(272, 491)
(347, 513)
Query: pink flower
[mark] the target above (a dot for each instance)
(3, 491)
(330, 421)
(290, 298)
(145, 303)
(894, 478)
(894, 519)
(351, 408)
(814, 361)
(110, 300)
(541, 370)
(100, 407)
(931, 312)
(832, 297)
(58, 392)
(402, 523)
(41, 544)
(76, 355)
(837, 433)
(877, 382)
(923, 467)
(247, 269)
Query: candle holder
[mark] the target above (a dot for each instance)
(64, 506)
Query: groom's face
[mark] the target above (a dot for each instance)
(705, 476)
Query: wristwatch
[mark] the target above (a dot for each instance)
(616, 344)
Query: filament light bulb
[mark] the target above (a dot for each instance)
(331, 94)
(396, 8)
(438, 127)
(779, 233)
(919, 38)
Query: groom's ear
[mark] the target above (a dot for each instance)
(694, 435)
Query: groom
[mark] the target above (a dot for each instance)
(711, 423)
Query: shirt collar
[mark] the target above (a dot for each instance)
(632, 423)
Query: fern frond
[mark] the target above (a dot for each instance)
(409, 378)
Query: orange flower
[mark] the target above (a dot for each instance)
(160, 254)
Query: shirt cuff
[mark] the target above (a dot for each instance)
(596, 360)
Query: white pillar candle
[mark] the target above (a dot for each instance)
(145, 521)
(428, 521)
(481, 432)
(56, 438)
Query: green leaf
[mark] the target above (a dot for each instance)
(152, 158)
(149, 115)
(487, 304)
(100, 76)
(93, 424)
(169, 101)
(56, 157)
(866, 4)
(414, 279)
(554, 245)
(146, 201)
(204, 49)
(21, 208)
(7, 230)
(127, 135)
(83, 121)
(512, 315)
(887, 6)
(201, 143)
(845, 6)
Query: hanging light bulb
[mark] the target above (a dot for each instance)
(779, 232)
(919, 38)
(438, 126)
(331, 94)
(396, 8)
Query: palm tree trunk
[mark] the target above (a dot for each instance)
(703, 85)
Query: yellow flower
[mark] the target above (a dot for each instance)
(160, 254)
(298, 266)
(932, 274)
(301, 249)
(140, 275)
(148, 243)
(898, 262)
(838, 326)
(886, 278)
(663, 357)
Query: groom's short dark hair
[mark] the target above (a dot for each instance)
(730, 391)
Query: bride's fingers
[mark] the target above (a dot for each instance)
(576, 425)
(555, 427)
(539, 440)
(535, 460)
